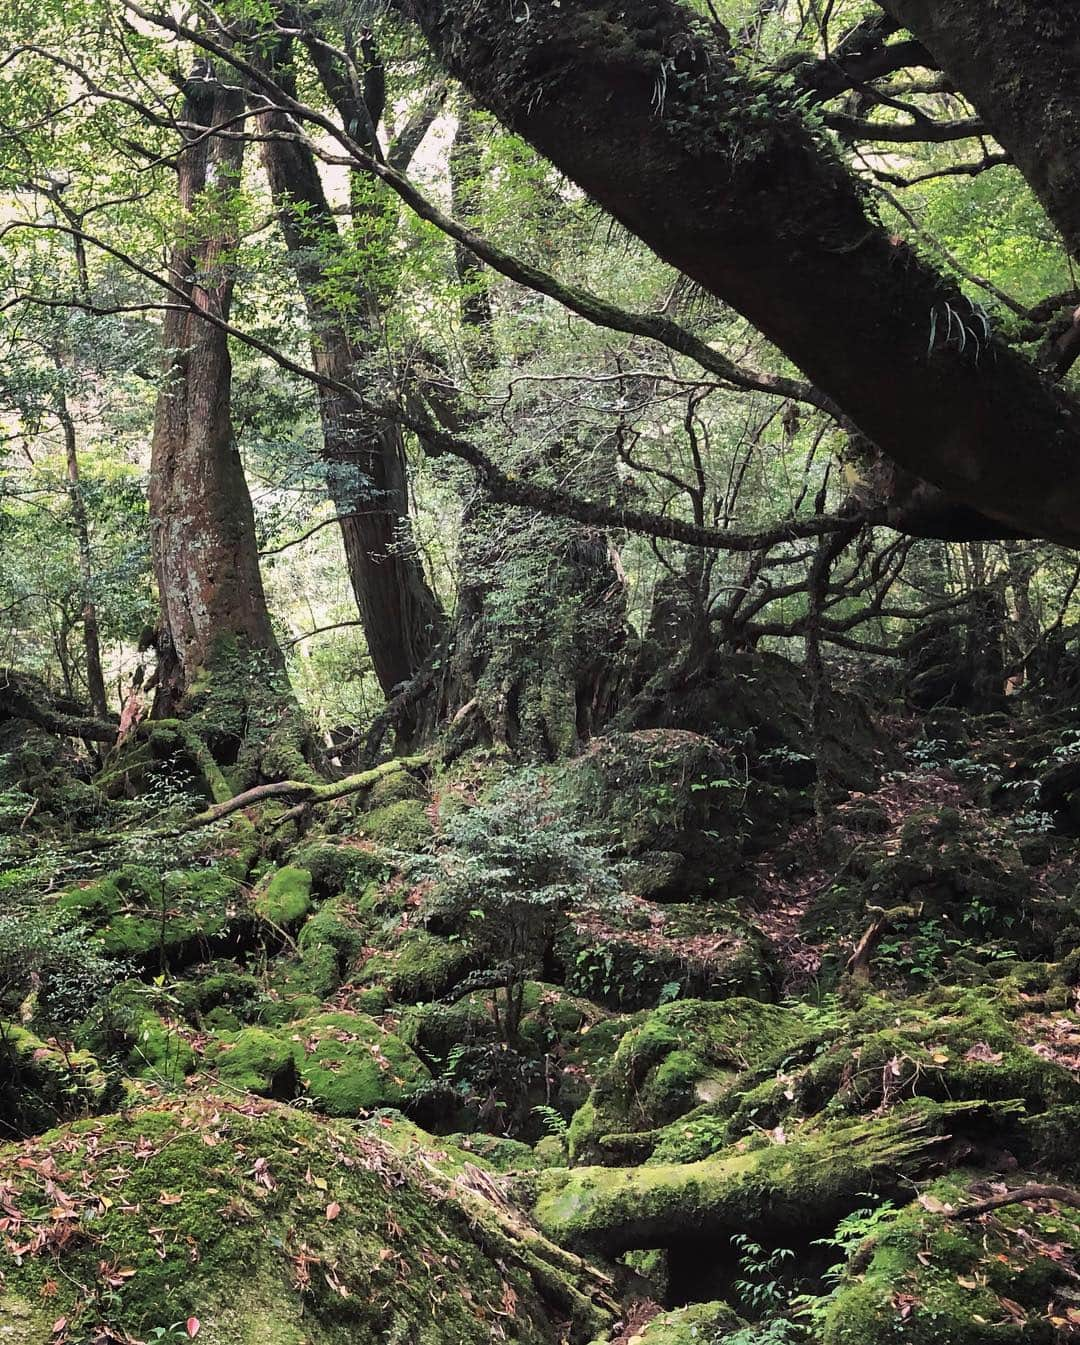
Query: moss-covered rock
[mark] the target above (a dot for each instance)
(403, 826)
(663, 792)
(255, 1061)
(342, 865)
(928, 1278)
(157, 920)
(285, 897)
(42, 1083)
(636, 954)
(695, 1324)
(348, 1065)
(960, 889)
(415, 966)
(769, 1188)
(218, 997)
(139, 1026)
(678, 1057)
(273, 1229)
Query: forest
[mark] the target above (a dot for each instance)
(540, 672)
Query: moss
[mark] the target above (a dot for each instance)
(420, 966)
(348, 1065)
(127, 1026)
(285, 899)
(693, 1325)
(337, 867)
(158, 919)
(634, 954)
(269, 1227)
(397, 788)
(225, 993)
(41, 1083)
(1000, 1278)
(397, 826)
(255, 1061)
(771, 1190)
(674, 1059)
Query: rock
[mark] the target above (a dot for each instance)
(268, 1225)
(41, 1083)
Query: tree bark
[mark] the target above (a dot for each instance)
(1016, 62)
(202, 522)
(364, 455)
(95, 678)
(723, 179)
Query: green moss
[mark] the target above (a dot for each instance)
(256, 1061)
(157, 919)
(231, 993)
(676, 1058)
(769, 1190)
(693, 1325)
(128, 1026)
(209, 1209)
(348, 1065)
(969, 1282)
(286, 898)
(337, 867)
(420, 966)
(40, 1083)
(397, 826)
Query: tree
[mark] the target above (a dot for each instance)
(364, 455)
(725, 177)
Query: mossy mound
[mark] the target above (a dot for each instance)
(139, 1027)
(270, 1227)
(42, 1083)
(635, 954)
(949, 1044)
(929, 1278)
(415, 965)
(344, 1064)
(285, 897)
(696, 1324)
(348, 1065)
(160, 920)
(255, 1060)
(666, 792)
(218, 997)
(770, 1188)
(402, 826)
(680, 1056)
(959, 888)
(761, 703)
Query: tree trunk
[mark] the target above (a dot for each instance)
(541, 601)
(217, 650)
(95, 678)
(1017, 65)
(364, 455)
(722, 177)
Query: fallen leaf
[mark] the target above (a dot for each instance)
(191, 1326)
(333, 1210)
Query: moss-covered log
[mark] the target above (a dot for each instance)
(795, 1189)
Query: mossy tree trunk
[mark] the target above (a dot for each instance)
(722, 176)
(218, 656)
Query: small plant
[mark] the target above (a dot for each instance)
(553, 1121)
(760, 1286)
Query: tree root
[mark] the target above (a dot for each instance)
(1064, 1195)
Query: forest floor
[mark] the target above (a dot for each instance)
(633, 1048)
